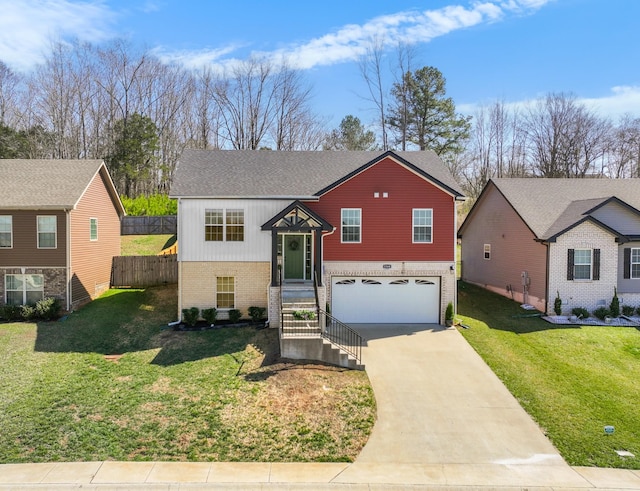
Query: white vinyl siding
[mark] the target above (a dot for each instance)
(6, 232)
(256, 245)
(47, 232)
(422, 225)
(351, 222)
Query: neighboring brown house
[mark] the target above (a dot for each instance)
(535, 239)
(59, 230)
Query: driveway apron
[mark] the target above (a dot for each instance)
(439, 403)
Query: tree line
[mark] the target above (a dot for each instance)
(126, 106)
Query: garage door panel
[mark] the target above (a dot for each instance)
(386, 299)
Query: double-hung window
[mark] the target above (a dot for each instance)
(6, 232)
(351, 220)
(582, 264)
(47, 231)
(225, 292)
(93, 229)
(23, 289)
(224, 225)
(635, 263)
(422, 225)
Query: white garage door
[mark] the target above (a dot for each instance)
(401, 299)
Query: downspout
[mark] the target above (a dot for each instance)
(455, 263)
(546, 287)
(69, 269)
(180, 249)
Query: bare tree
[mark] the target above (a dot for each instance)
(370, 65)
(564, 137)
(9, 86)
(624, 149)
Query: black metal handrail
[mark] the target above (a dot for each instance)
(280, 292)
(340, 334)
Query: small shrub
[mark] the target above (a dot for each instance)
(614, 307)
(448, 314)
(304, 315)
(11, 312)
(191, 315)
(210, 315)
(638, 311)
(557, 304)
(601, 313)
(48, 308)
(234, 315)
(628, 310)
(28, 312)
(257, 313)
(580, 312)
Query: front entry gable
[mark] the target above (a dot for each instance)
(297, 218)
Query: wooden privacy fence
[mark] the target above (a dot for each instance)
(143, 271)
(156, 225)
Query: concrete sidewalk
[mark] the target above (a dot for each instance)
(331, 476)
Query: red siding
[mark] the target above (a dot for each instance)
(387, 232)
(91, 260)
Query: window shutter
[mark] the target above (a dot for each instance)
(596, 264)
(627, 263)
(570, 256)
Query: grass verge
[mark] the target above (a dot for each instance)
(145, 245)
(572, 381)
(110, 383)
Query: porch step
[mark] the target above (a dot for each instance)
(298, 295)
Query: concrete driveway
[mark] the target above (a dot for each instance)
(440, 406)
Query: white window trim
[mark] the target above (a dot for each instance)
(24, 286)
(631, 263)
(413, 226)
(590, 278)
(55, 232)
(10, 231)
(226, 309)
(486, 250)
(90, 222)
(342, 241)
(224, 224)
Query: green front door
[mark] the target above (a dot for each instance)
(294, 257)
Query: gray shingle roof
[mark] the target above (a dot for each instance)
(549, 206)
(264, 173)
(44, 184)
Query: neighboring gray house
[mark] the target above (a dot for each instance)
(531, 239)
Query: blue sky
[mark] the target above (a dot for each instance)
(512, 50)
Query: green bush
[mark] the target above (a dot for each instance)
(304, 315)
(448, 314)
(628, 310)
(153, 205)
(48, 308)
(210, 315)
(557, 304)
(234, 315)
(257, 313)
(28, 312)
(580, 312)
(11, 312)
(191, 315)
(614, 307)
(601, 313)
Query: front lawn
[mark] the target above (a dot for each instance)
(572, 381)
(111, 382)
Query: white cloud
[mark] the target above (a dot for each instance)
(28, 27)
(410, 27)
(620, 101)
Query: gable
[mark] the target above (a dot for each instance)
(618, 216)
